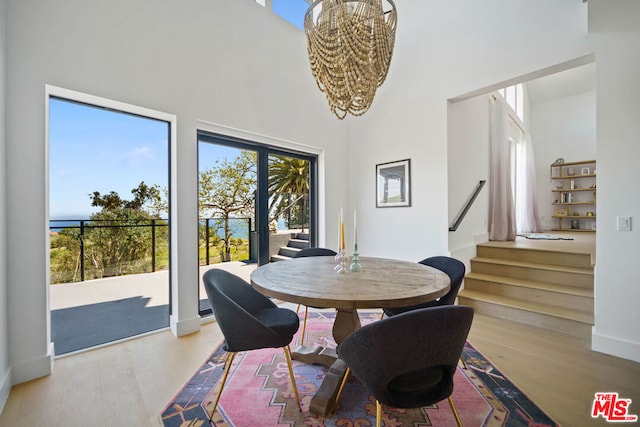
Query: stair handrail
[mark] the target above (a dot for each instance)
(467, 205)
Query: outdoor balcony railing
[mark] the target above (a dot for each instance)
(89, 249)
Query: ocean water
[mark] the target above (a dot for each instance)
(239, 226)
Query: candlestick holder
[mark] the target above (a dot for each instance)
(341, 262)
(355, 265)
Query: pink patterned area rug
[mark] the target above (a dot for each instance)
(258, 393)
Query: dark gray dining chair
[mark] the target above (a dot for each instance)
(408, 360)
(454, 268)
(307, 252)
(248, 321)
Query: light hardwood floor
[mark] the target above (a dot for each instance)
(129, 383)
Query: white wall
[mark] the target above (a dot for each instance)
(468, 163)
(231, 63)
(564, 127)
(615, 28)
(5, 380)
(448, 49)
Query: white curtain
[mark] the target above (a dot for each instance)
(502, 218)
(527, 217)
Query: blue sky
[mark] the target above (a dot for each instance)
(93, 149)
(291, 10)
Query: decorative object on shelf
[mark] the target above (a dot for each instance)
(571, 171)
(393, 184)
(355, 266)
(350, 45)
(558, 161)
(575, 224)
(589, 213)
(586, 171)
(576, 214)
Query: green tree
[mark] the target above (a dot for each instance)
(227, 191)
(118, 238)
(64, 256)
(289, 188)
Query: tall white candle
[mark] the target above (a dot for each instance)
(355, 229)
(341, 230)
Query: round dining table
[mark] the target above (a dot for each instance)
(314, 282)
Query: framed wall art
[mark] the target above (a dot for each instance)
(393, 184)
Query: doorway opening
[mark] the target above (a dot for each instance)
(109, 245)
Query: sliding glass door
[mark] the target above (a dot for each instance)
(257, 204)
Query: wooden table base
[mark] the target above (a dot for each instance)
(324, 402)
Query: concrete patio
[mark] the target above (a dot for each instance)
(102, 311)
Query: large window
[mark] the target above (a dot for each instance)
(514, 95)
(109, 221)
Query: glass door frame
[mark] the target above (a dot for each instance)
(263, 151)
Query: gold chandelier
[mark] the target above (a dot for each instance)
(350, 44)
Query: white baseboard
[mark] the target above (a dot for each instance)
(615, 346)
(32, 369)
(185, 327)
(5, 388)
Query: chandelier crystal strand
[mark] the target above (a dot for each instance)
(350, 45)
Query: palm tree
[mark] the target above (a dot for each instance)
(288, 187)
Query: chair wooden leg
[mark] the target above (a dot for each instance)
(455, 412)
(378, 413)
(464, 364)
(287, 355)
(227, 363)
(304, 324)
(344, 381)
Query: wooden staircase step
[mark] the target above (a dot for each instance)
(536, 255)
(551, 287)
(547, 293)
(562, 312)
(573, 322)
(534, 271)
